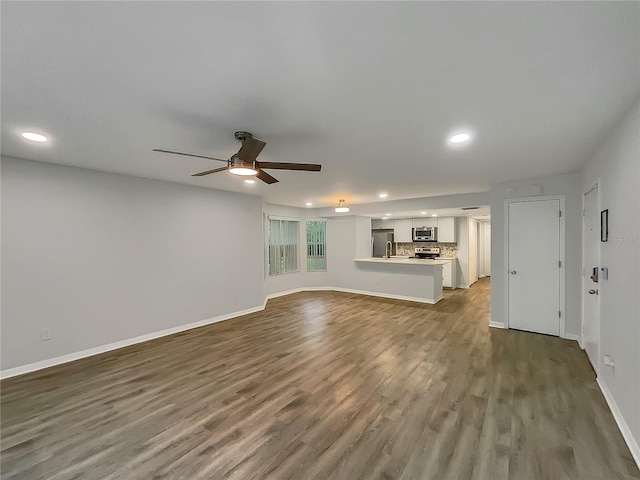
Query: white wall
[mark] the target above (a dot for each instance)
(616, 165)
(101, 258)
(467, 265)
(569, 186)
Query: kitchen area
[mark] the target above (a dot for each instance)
(449, 248)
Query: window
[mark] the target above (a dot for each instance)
(316, 246)
(283, 246)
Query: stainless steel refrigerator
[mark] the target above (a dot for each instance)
(379, 241)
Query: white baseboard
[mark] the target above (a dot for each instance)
(632, 443)
(51, 362)
(496, 325)
(282, 294)
(357, 292)
(32, 367)
(573, 336)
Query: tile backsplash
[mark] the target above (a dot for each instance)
(446, 249)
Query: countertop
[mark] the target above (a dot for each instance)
(403, 261)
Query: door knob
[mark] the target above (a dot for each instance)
(513, 272)
(593, 292)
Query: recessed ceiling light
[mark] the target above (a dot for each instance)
(434, 214)
(461, 137)
(249, 181)
(423, 213)
(34, 137)
(308, 204)
(384, 218)
(383, 195)
(388, 214)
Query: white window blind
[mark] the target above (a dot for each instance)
(283, 246)
(316, 246)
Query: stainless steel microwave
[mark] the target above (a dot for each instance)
(425, 234)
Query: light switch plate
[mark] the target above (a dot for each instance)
(46, 334)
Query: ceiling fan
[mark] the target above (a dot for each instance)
(244, 162)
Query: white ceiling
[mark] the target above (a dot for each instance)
(368, 89)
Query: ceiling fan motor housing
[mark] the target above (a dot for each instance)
(235, 161)
(241, 135)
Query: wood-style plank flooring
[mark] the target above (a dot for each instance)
(322, 385)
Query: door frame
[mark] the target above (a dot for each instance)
(583, 272)
(505, 274)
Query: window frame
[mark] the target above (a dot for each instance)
(323, 244)
(282, 257)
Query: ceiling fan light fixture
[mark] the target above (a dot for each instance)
(243, 171)
(341, 208)
(238, 167)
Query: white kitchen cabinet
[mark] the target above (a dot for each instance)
(378, 224)
(449, 274)
(402, 230)
(425, 222)
(447, 229)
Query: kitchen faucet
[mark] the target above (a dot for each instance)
(388, 248)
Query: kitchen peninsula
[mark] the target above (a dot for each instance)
(415, 279)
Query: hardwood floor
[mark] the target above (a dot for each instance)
(322, 385)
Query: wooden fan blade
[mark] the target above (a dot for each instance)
(208, 172)
(266, 178)
(250, 149)
(307, 167)
(188, 154)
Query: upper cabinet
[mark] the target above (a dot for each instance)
(377, 224)
(402, 227)
(402, 230)
(447, 229)
(425, 222)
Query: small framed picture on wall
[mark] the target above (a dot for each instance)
(604, 225)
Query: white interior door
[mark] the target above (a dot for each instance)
(591, 299)
(487, 249)
(534, 269)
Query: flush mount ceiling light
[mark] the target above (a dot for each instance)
(341, 208)
(384, 218)
(34, 137)
(423, 213)
(238, 167)
(308, 204)
(459, 137)
(383, 195)
(387, 214)
(249, 181)
(434, 214)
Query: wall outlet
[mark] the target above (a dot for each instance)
(46, 334)
(609, 361)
